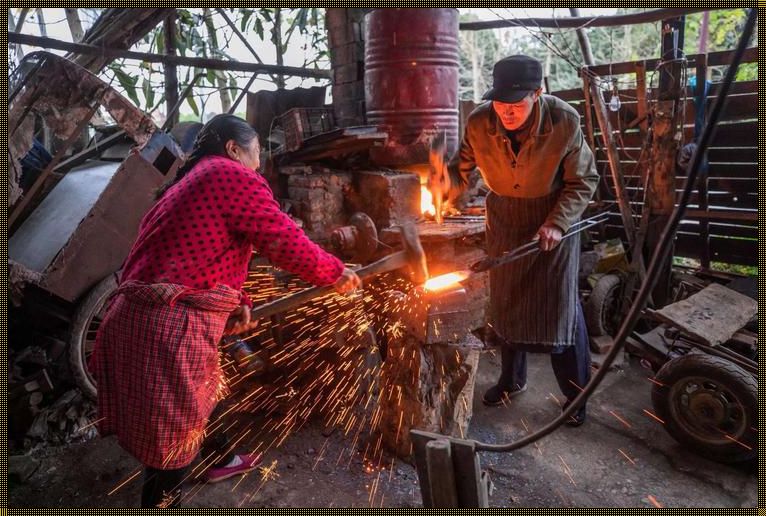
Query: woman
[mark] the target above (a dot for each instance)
(156, 357)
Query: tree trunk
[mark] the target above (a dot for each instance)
(75, 25)
(475, 67)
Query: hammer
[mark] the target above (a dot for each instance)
(412, 255)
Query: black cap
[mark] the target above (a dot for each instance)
(513, 78)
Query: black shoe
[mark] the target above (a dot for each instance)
(497, 395)
(576, 419)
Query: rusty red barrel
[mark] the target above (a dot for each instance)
(411, 80)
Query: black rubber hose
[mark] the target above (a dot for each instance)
(658, 258)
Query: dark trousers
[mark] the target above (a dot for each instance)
(571, 364)
(162, 487)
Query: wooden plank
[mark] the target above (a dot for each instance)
(731, 154)
(694, 227)
(731, 185)
(713, 58)
(441, 473)
(471, 491)
(724, 57)
(712, 315)
(420, 440)
(737, 134)
(723, 215)
(726, 250)
(570, 95)
(738, 108)
(743, 217)
(734, 154)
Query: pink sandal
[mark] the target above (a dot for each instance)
(248, 464)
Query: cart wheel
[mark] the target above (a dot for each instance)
(709, 405)
(87, 319)
(602, 305)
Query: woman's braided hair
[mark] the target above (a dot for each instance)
(211, 141)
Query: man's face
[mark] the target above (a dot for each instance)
(514, 115)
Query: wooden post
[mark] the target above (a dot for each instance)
(471, 484)
(591, 135)
(441, 474)
(642, 107)
(171, 72)
(665, 148)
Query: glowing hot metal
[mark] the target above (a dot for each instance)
(445, 281)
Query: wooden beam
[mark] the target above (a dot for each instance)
(584, 22)
(199, 62)
(719, 58)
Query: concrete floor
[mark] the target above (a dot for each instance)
(605, 463)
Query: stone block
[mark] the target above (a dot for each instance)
(389, 198)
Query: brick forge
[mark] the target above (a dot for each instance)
(324, 199)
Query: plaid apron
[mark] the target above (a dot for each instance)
(156, 364)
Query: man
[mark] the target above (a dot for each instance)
(541, 174)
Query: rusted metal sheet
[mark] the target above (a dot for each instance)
(85, 227)
(63, 95)
(411, 80)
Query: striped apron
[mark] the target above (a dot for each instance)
(532, 300)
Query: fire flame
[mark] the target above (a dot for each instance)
(427, 201)
(445, 281)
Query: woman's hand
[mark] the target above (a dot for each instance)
(239, 321)
(348, 282)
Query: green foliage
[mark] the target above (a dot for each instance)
(198, 35)
(478, 51)
(561, 55)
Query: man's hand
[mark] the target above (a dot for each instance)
(549, 237)
(348, 282)
(239, 321)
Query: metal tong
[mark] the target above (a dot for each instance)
(534, 245)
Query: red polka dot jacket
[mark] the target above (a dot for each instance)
(202, 231)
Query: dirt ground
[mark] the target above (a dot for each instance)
(605, 463)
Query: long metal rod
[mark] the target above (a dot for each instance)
(199, 62)
(658, 258)
(533, 246)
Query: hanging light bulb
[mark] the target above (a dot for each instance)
(614, 102)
